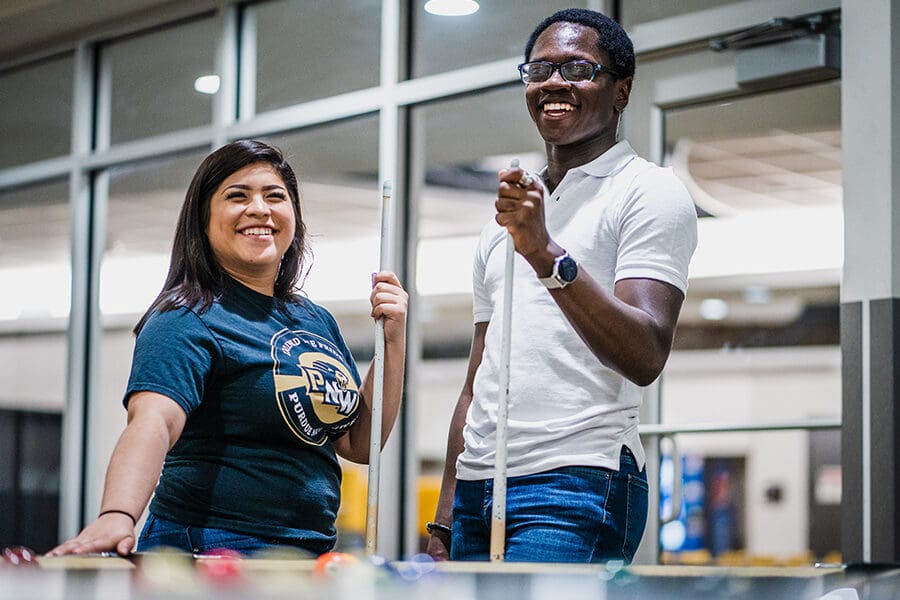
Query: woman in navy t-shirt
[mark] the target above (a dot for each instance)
(242, 393)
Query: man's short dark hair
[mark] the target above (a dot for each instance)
(613, 39)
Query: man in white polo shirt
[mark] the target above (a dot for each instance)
(603, 239)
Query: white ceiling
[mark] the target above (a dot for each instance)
(781, 169)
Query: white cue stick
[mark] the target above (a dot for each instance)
(378, 388)
(498, 512)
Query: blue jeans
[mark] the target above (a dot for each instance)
(571, 514)
(159, 533)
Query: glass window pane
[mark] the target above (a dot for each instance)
(497, 30)
(8, 484)
(641, 11)
(34, 254)
(36, 119)
(152, 80)
(768, 177)
(310, 50)
(337, 165)
(463, 143)
(35, 275)
(759, 331)
(743, 504)
(29, 478)
(39, 479)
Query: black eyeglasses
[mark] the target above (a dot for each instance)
(574, 71)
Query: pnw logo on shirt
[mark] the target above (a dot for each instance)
(315, 391)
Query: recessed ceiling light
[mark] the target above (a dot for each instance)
(451, 8)
(207, 84)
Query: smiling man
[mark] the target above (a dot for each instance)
(603, 239)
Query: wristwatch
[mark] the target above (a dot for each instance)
(433, 526)
(565, 270)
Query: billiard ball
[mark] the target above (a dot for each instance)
(166, 570)
(221, 566)
(330, 563)
(19, 556)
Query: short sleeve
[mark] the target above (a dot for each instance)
(657, 229)
(174, 355)
(482, 307)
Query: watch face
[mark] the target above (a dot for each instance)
(568, 269)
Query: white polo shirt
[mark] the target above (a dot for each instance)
(619, 217)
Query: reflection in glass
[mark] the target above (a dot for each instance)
(765, 172)
(740, 499)
(768, 178)
(35, 277)
(34, 253)
(153, 77)
(38, 474)
(29, 478)
(641, 11)
(311, 50)
(498, 30)
(8, 449)
(754, 153)
(36, 119)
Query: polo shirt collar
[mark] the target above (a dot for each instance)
(610, 162)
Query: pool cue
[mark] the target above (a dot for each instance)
(498, 511)
(377, 389)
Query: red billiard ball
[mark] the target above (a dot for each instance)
(221, 566)
(331, 562)
(19, 556)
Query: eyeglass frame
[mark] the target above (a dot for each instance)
(557, 67)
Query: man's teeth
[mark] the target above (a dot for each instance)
(558, 106)
(257, 231)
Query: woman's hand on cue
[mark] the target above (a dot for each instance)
(389, 302)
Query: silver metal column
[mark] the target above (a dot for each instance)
(870, 291)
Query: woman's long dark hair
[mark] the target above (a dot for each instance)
(195, 279)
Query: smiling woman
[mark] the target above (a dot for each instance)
(196, 275)
(241, 388)
(251, 225)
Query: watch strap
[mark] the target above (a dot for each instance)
(551, 283)
(555, 281)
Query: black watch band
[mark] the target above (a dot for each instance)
(431, 527)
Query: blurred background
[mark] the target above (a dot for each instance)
(108, 108)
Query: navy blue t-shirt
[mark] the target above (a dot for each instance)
(265, 388)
